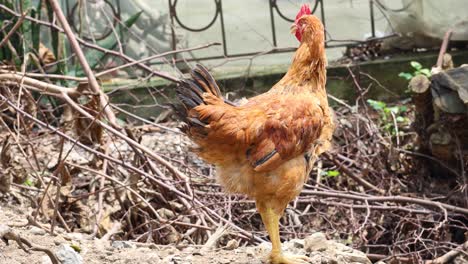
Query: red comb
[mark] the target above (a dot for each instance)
(305, 10)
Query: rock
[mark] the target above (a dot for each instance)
(232, 244)
(37, 231)
(172, 259)
(293, 245)
(315, 242)
(45, 260)
(250, 252)
(68, 255)
(75, 236)
(460, 259)
(264, 246)
(328, 251)
(298, 243)
(188, 249)
(165, 213)
(122, 244)
(198, 253)
(225, 261)
(354, 256)
(173, 250)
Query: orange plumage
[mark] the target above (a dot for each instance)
(265, 147)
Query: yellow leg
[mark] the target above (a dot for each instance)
(271, 220)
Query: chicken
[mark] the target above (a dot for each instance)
(265, 148)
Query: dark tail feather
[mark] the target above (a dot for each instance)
(201, 75)
(190, 94)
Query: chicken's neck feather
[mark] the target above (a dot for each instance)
(308, 69)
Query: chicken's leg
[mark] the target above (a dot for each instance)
(270, 218)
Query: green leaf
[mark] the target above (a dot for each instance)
(405, 75)
(133, 19)
(333, 173)
(416, 65)
(393, 109)
(426, 72)
(400, 119)
(403, 108)
(28, 182)
(377, 105)
(76, 247)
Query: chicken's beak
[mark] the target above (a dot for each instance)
(293, 28)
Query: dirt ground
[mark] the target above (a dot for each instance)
(105, 251)
(84, 249)
(98, 251)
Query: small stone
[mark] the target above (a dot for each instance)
(250, 252)
(172, 250)
(315, 242)
(264, 246)
(198, 253)
(172, 259)
(59, 240)
(188, 249)
(298, 243)
(232, 244)
(68, 255)
(224, 261)
(293, 245)
(45, 260)
(74, 236)
(122, 244)
(37, 231)
(165, 213)
(355, 257)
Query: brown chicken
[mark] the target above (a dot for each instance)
(265, 148)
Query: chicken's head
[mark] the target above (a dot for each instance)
(305, 20)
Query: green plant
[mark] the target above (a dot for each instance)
(28, 182)
(418, 69)
(389, 115)
(330, 174)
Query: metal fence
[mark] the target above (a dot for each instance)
(275, 12)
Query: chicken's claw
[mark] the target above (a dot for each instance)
(288, 259)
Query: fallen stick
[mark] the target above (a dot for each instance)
(6, 234)
(449, 256)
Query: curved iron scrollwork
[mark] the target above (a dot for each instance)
(218, 16)
(274, 4)
(218, 13)
(94, 35)
(174, 14)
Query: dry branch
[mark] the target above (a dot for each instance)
(6, 234)
(449, 256)
(36, 85)
(395, 199)
(163, 75)
(93, 84)
(124, 164)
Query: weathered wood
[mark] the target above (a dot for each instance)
(450, 90)
(424, 111)
(448, 133)
(441, 115)
(419, 84)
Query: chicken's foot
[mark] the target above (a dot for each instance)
(271, 220)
